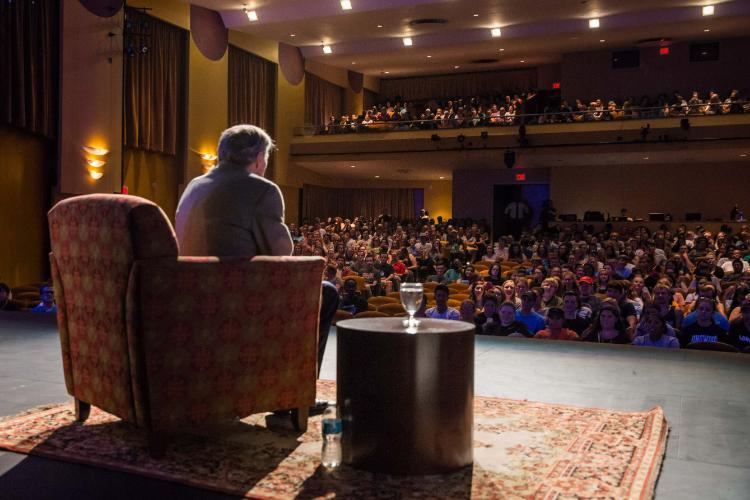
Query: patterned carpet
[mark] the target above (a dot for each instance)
(521, 450)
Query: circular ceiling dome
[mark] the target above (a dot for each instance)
(429, 20)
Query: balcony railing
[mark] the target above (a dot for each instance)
(554, 117)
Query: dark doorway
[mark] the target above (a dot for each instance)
(516, 207)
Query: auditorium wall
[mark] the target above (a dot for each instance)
(26, 167)
(90, 99)
(673, 188)
(589, 75)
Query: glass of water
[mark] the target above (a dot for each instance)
(411, 299)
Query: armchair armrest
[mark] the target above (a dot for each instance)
(215, 338)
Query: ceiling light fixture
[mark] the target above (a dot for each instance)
(377, 177)
(407, 42)
(292, 35)
(251, 15)
(602, 40)
(346, 5)
(352, 166)
(594, 23)
(523, 60)
(456, 67)
(501, 50)
(496, 32)
(442, 177)
(743, 155)
(429, 57)
(380, 25)
(327, 49)
(476, 15)
(708, 10)
(387, 72)
(706, 30)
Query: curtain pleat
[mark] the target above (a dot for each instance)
(29, 58)
(155, 86)
(323, 202)
(322, 99)
(252, 89)
(484, 84)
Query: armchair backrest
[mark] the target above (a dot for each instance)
(95, 241)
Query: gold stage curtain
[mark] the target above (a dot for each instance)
(252, 89)
(323, 202)
(484, 84)
(29, 59)
(322, 99)
(155, 87)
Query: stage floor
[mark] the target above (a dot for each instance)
(705, 396)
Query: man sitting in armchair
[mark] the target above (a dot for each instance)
(234, 211)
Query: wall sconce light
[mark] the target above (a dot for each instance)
(95, 160)
(208, 160)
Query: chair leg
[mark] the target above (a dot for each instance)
(157, 443)
(299, 418)
(82, 410)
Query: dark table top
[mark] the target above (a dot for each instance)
(395, 325)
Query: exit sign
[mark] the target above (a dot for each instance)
(520, 177)
(664, 51)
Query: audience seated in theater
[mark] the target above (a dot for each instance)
(47, 304)
(6, 299)
(704, 329)
(616, 292)
(549, 295)
(577, 318)
(656, 330)
(555, 327)
(509, 326)
(608, 326)
(527, 315)
(351, 300)
(441, 309)
(739, 330)
(487, 320)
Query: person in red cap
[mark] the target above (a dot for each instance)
(587, 297)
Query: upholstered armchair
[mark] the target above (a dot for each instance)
(166, 342)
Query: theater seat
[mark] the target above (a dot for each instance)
(168, 343)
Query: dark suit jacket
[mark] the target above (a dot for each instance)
(229, 212)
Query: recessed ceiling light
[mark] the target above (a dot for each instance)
(708, 10)
(594, 23)
(327, 49)
(352, 166)
(292, 35)
(407, 42)
(251, 15)
(442, 177)
(354, 62)
(456, 67)
(380, 25)
(523, 60)
(602, 40)
(477, 15)
(501, 50)
(387, 72)
(706, 30)
(428, 57)
(743, 155)
(377, 177)
(496, 32)
(645, 157)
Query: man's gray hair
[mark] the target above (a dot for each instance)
(241, 144)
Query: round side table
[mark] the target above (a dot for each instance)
(406, 400)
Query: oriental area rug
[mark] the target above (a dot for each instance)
(521, 450)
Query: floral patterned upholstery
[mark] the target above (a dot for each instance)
(163, 341)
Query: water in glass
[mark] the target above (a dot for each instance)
(411, 299)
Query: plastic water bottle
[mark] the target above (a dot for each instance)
(331, 453)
